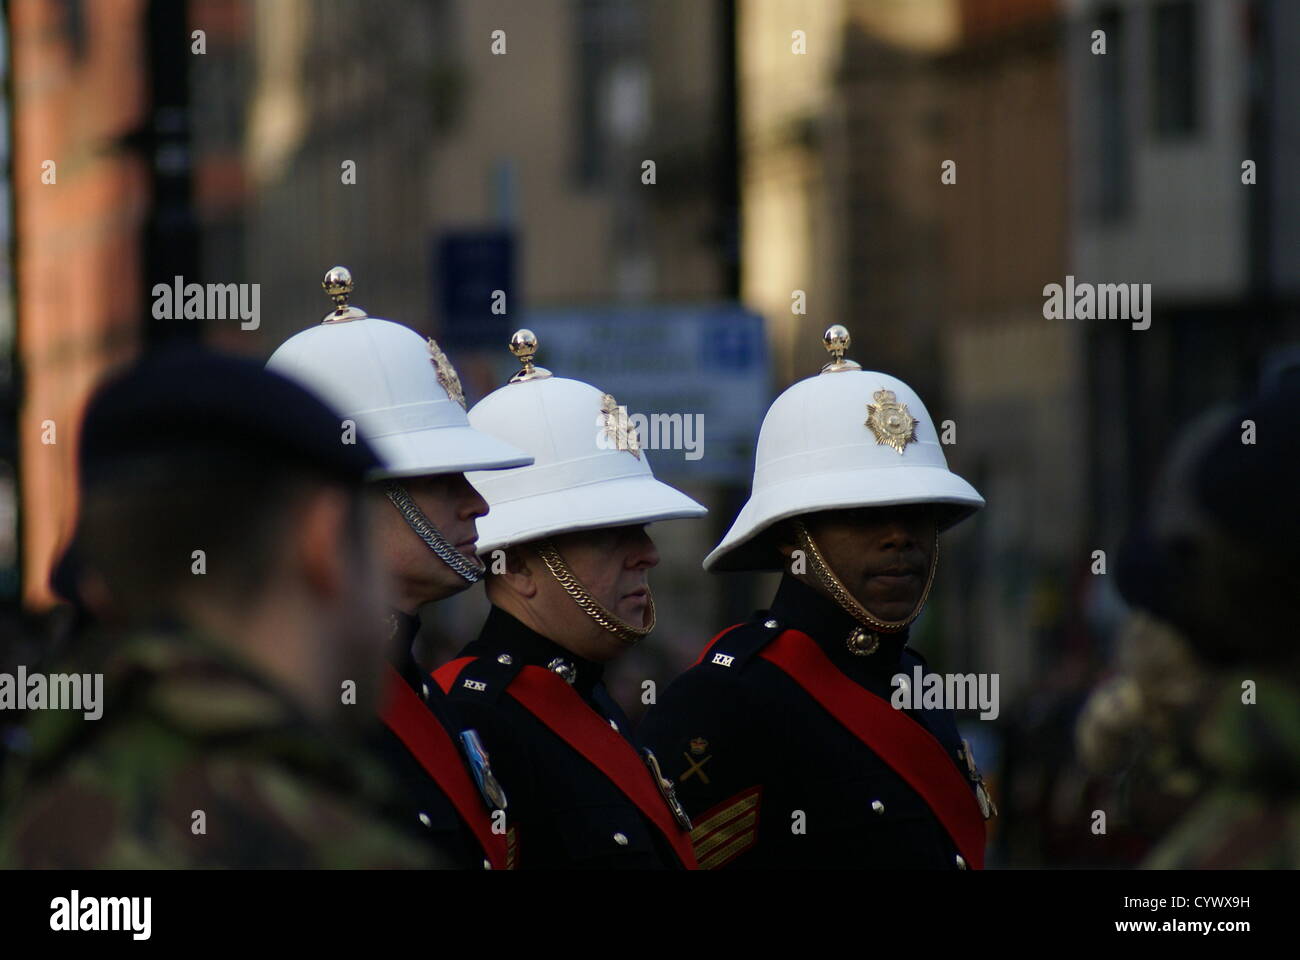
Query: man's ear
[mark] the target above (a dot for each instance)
(320, 548)
(784, 537)
(520, 576)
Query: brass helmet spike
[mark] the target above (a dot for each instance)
(523, 344)
(338, 287)
(836, 339)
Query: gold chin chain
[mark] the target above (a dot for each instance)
(865, 639)
(589, 604)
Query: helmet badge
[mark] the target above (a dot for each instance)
(618, 427)
(890, 421)
(446, 373)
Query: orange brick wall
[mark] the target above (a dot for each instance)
(80, 305)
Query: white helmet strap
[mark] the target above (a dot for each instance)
(471, 571)
(865, 639)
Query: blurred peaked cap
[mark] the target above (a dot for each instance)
(580, 478)
(816, 451)
(194, 400)
(1251, 490)
(383, 376)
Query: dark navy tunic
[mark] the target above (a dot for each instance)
(429, 804)
(771, 779)
(566, 813)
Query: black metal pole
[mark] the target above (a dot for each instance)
(171, 234)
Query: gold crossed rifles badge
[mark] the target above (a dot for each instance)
(698, 747)
(728, 830)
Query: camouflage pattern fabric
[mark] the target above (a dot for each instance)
(1250, 818)
(197, 762)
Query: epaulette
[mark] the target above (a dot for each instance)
(734, 647)
(480, 680)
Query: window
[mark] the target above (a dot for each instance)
(1112, 118)
(1174, 60)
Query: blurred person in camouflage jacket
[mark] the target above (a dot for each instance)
(221, 549)
(1219, 560)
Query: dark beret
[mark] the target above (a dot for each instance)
(186, 400)
(1247, 490)
(190, 400)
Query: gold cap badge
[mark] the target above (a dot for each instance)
(447, 375)
(618, 427)
(890, 421)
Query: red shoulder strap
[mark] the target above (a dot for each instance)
(446, 674)
(705, 652)
(421, 733)
(558, 706)
(906, 746)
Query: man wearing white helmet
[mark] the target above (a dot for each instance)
(786, 748)
(568, 559)
(401, 394)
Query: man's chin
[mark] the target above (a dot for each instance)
(448, 587)
(890, 611)
(895, 615)
(633, 611)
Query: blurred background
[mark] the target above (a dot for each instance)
(796, 183)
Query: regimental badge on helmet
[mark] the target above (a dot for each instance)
(890, 421)
(580, 479)
(446, 373)
(618, 427)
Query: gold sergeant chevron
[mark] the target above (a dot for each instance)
(727, 830)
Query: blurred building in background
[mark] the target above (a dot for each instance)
(9, 386)
(1188, 93)
(80, 101)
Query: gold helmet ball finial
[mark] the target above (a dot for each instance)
(338, 287)
(836, 340)
(523, 344)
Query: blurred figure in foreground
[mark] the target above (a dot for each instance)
(1219, 562)
(221, 548)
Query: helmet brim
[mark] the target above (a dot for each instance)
(745, 548)
(453, 449)
(592, 506)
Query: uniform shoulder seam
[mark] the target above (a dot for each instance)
(482, 680)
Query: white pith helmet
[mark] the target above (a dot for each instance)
(399, 389)
(847, 438)
(589, 471)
